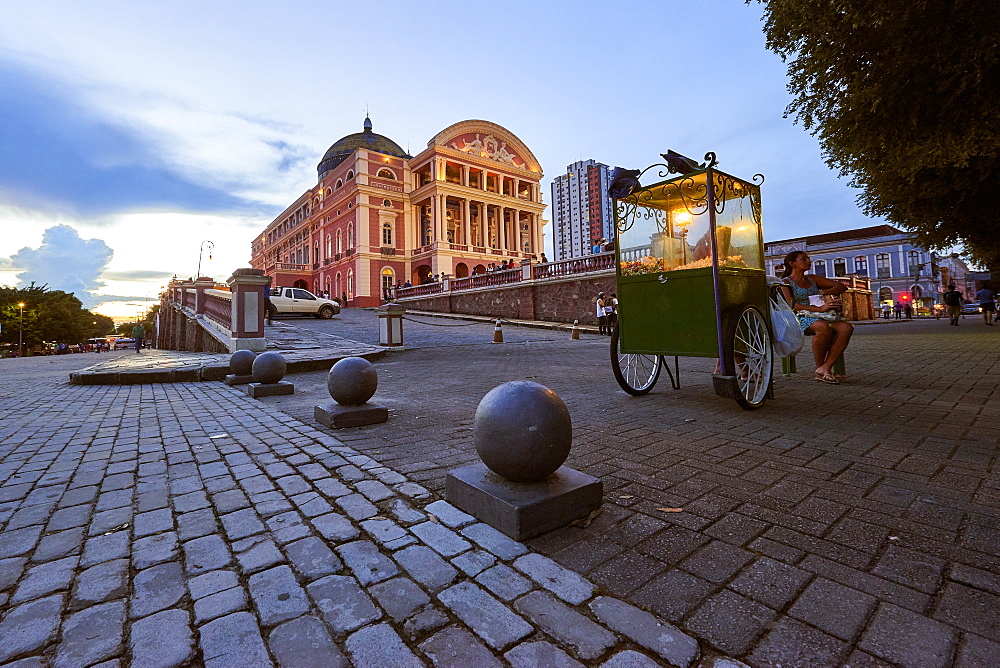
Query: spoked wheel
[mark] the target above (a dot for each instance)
(750, 346)
(636, 374)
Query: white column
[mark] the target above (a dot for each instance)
(502, 230)
(467, 219)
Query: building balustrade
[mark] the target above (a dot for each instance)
(388, 250)
(577, 265)
(219, 307)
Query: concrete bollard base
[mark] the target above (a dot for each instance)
(522, 510)
(281, 388)
(337, 416)
(235, 379)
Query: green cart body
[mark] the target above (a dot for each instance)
(691, 279)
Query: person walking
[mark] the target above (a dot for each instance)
(602, 315)
(138, 333)
(953, 304)
(886, 310)
(611, 307)
(986, 304)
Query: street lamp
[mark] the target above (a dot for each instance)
(201, 248)
(20, 329)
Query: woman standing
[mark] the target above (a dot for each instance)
(830, 338)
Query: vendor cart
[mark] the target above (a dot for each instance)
(690, 278)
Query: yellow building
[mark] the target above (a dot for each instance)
(378, 217)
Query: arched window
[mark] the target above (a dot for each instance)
(882, 268)
(350, 284)
(913, 262)
(338, 184)
(861, 265)
(916, 291)
(819, 268)
(388, 283)
(387, 233)
(329, 247)
(350, 235)
(350, 175)
(885, 295)
(340, 286)
(839, 267)
(386, 174)
(340, 242)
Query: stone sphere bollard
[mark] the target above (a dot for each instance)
(269, 367)
(522, 431)
(241, 362)
(352, 381)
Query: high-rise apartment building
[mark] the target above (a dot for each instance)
(581, 209)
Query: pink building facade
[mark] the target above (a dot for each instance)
(379, 217)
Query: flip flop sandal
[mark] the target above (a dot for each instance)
(829, 379)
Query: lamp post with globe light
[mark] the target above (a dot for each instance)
(201, 248)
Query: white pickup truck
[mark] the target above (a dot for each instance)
(301, 302)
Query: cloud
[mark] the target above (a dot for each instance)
(62, 155)
(65, 262)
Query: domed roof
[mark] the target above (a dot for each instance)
(367, 139)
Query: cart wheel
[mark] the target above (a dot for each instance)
(636, 374)
(750, 345)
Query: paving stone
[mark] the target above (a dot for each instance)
(116, 499)
(374, 491)
(717, 561)
(379, 645)
(270, 503)
(313, 506)
(230, 501)
(400, 597)
(588, 639)
(632, 659)
(532, 654)
(562, 582)
(487, 617)
(911, 568)
(793, 644)
(474, 562)
(426, 567)
(504, 582)
(92, 635)
(39, 662)
(905, 637)
(18, 542)
(404, 512)
(11, 570)
(152, 522)
(312, 558)
(332, 488)
(356, 506)
(30, 626)
(626, 573)
(233, 640)
(834, 608)
(157, 588)
(67, 518)
(490, 539)
(212, 583)
(305, 642)
(242, 523)
(277, 595)
(454, 647)
(335, 527)
(976, 652)
(58, 545)
(366, 562)
(196, 524)
(970, 610)
(105, 581)
(219, 604)
(257, 553)
(674, 594)
(206, 554)
(730, 622)
(666, 640)
(449, 514)
(162, 640)
(412, 490)
(153, 550)
(771, 582)
(344, 605)
(440, 539)
(45, 579)
(388, 533)
(424, 622)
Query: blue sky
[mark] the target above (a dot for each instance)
(154, 126)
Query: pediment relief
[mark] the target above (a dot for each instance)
(488, 146)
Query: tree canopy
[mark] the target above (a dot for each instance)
(48, 315)
(904, 99)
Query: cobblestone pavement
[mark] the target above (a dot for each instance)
(840, 525)
(187, 524)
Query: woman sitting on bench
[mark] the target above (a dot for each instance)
(830, 332)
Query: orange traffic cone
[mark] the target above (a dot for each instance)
(576, 331)
(498, 333)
